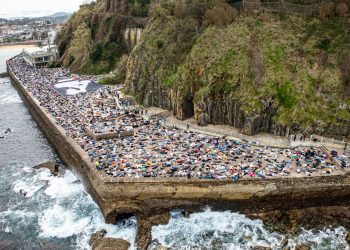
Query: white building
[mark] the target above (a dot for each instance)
(39, 57)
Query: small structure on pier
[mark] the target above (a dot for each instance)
(40, 57)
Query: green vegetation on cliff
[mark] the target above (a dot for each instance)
(259, 72)
(92, 41)
(256, 70)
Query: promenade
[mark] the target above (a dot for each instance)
(167, 148)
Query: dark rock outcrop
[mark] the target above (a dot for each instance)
(99, 242)
(112, 244)
(290, 221)
(8, 245)
(302, 247)
(49, 165)
(3, 75)
(347, 238)
(261, 248)
(144, 233)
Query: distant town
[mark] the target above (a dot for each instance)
(25, 30)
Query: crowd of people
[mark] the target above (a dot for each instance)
(156, 149)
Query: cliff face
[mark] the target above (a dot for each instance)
(99, 34)
(261, 73)
(257, 72)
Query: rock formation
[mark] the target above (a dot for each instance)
(99, 242)
(3, 75)
(49, 165)
(347, 238)
(99, 34)
(259, 74)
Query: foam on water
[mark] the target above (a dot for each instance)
(30, 185)
(228, 230)
(67, 212)
(219, 229)
(75, 213)
(329, 238)
(63, 187)
(61, 223)
(8, 96)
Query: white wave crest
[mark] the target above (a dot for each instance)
(61, 223)
(214, 229)
(228, 230)
(63, 187)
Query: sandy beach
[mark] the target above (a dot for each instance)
(16, 47)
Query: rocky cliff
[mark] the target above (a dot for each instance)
(97, 36)
(256, 71)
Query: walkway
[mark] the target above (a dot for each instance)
(262, 139)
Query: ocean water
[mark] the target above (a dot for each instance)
(57, 213)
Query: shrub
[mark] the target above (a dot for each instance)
(121, 68)
(108, 80)
(286, 96)
(327, 10)
(160, 12)
(324, 44)
(159, 44)
(221, 14)
(71, 58)
(96, 52)
(342, 9)
(345, 68)
(180, 9)
(54, 64)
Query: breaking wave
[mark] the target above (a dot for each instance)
(228, 230)
(65, 210)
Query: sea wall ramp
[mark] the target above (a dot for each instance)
(150, 197)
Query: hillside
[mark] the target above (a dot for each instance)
(257, 71)
(98, 35)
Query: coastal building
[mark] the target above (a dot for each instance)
(39, 57)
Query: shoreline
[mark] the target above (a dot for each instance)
(149, 198)
(16, 46)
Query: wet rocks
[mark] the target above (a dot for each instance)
(112, 244)
(99, 242)
(8, 245)
(161, 219)
(302, 247)
(347, 238)
(96, 237)
(261, 248)
(144, 233)
(4, 74)
(49, 165)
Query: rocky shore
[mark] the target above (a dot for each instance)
(151, 199)
(3, 75)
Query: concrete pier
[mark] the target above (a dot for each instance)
(147, 198)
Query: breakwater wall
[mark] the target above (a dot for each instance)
(150, 198)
